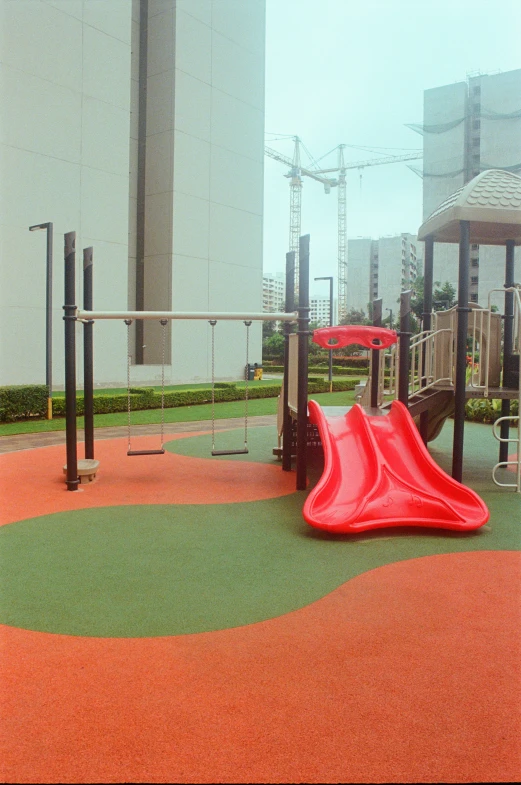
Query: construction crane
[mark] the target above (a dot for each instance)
(295, 175)
(295, 185)
(340, 182)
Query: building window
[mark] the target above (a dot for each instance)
(474, 279)
(473, 298)
(476, 124)
(474, 262)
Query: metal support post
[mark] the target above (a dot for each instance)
(426, 322)
(508, 343)
(88, 355)
(375, 354)
(48, 311)
(330, 279)
(287, 425)
(405, 344)
(303, 346)
(70, 361)
(461, 351)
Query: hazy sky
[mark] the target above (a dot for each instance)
(353, 72)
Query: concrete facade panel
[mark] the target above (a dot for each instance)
(43, 40)
(235, 71)
(104, 205)
(191, 226)
(193, 106)
(237, 126)
(104, 126)
(110, 17)
(160, 46)
(57, 131)
(193, 47)
(106, 67)
(235, 236)
(159, 163)
(191, 166)
(235, 181)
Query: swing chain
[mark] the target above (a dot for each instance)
(248, 325)
(163, 323)
(128, 322)
(213, 322)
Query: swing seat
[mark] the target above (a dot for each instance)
(145, 452)
(230, 452)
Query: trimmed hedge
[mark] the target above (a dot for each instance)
(31, 401)
(20, 402)
(323, 369)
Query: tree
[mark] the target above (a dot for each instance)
(443, 297)
(355, 317)
(274, 345)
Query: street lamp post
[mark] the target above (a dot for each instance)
(48, 314)
(390, 317)
(330, 279)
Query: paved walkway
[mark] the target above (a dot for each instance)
(30, 441)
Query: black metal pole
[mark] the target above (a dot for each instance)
(88, 354)
(331, 322)
(141, 179)
(508, 343)
(405, 344)
(375, 354)
(48, 332)
(70, 361)
(303, 346)
(426, 322)
(461, 351)
(287, 424)
(331, 325)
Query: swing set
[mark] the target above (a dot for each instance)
(87, 316)
(161, 450)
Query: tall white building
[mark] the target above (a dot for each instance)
(319, 311)
(273, 292)
(469, 127)
(139, 124)
(382, 268)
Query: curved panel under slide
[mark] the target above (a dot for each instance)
(378, 473)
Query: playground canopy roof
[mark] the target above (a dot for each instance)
(491, 202)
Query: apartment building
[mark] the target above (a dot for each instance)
(273, 292)
(469, 127)
(382, 268)
(139, 125)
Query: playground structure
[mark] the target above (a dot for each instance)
(430, 374)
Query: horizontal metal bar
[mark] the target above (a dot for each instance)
(222, 315)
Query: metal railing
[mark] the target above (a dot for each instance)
(516, 461)
(512, 419)
(425, 348)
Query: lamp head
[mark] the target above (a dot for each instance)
(36, 227)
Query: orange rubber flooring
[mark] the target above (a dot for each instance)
(406, 673)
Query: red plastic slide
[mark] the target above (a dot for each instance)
(378, 473)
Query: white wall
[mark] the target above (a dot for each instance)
(65, 94)
(218, 149)
(69, 148)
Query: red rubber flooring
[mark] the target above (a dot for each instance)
(406, 673)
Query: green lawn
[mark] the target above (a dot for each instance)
(226, 410)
